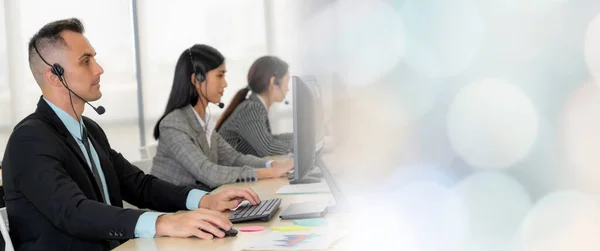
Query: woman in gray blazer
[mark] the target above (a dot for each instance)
(245, 122)
(189, 152)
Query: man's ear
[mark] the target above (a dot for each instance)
(51, 78)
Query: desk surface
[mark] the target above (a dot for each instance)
(266, 189)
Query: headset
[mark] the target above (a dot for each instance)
(59, 71)
(200, 76)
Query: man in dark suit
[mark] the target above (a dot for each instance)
(64, 185)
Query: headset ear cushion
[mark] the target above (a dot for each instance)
(277, 81)
(57, 70)
(200, 77)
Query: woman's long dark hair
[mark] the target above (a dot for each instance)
(204, 59)
(259, 77)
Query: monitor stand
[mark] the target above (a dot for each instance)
(317, 208)
(305, 180)
(314, 176)
(341, 203)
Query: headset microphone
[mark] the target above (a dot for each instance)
(282, 94)
(100, 109)
(221, 105)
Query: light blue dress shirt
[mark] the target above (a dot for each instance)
(146, 224)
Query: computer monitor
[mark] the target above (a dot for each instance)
(308, 126)
(308, 136)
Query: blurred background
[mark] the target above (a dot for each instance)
(477, 120)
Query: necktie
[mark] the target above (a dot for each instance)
(86, 144)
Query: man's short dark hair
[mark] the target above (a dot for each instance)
(49, 35)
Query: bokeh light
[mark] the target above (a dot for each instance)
(523, 31)
(370, 157)
(373, 231)
(410, 174)
(416, 93)
(443, 38)
(563, 220)
(434, 215)
(370, 41)
(422, 216)
(492, 124)
(497, 203)
(362, 41)
(579, 130)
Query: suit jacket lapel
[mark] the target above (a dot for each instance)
(50, 117)
(77, 150)
(200, 136)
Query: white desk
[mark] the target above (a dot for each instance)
(266, 190)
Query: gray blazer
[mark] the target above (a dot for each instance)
(247, 130)
(184, 158)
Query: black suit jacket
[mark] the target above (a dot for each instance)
(52, 199)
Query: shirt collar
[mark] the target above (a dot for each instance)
(70, 123)
(262, 101)
(202, 123)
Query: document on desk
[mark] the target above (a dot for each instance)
(312, 188)
(301, 240)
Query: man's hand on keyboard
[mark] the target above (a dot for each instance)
(229, 198)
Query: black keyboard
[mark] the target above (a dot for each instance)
(263, 211)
